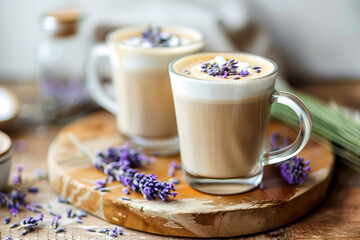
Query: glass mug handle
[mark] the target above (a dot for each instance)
(93, 85)
(304, 116)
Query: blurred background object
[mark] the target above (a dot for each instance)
(9, 106)
(316, 40)
(60, 60)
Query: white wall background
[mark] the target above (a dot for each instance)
(315, 37)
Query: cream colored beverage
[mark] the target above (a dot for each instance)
(244, 121)
(222, 103)
(139, 60)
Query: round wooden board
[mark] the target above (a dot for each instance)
(191, 213)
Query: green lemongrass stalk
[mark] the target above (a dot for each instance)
(329, 122)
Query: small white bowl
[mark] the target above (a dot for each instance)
(5, 159)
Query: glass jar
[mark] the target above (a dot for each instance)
(61, 59)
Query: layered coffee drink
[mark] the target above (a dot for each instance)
(140, 74)
(222, 103)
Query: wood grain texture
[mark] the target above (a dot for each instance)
(192, 214)
(336, 217)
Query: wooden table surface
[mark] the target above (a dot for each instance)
(338, 216)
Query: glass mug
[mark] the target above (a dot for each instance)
(222, 126)
(144, 106)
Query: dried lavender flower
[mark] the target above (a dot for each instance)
(104, 190)
(33, 190)
(13, 200)
(7, 220)
(68, 212)
(63, 200)
(60, 230)
(126, 191)
(154, 37)
(36, 205)
(18, 179)
(295, 170)
(101, 183)
(172, 167)
(32, 208)
(90, 229)
(125, 198)
(55, 221)
(214, 69)
(29, 224)
(9, 237)
(79, 220)
(41, 217)
(13, 225)
(120, 162)
(52, 213)
(105, 230)
(244, 73)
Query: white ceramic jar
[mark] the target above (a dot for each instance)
(5, 159)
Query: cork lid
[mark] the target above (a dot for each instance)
(5, 144)
(62, 21)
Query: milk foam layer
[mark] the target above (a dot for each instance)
(153, 36)
(139, 58)
(215, 88)
(193, 39)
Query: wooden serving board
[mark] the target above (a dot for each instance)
(191, 213)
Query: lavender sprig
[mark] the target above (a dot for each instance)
(148, 185)
(29, 224)
(294, 170)
(119, 163)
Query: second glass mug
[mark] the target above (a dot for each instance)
(222, 125)
(144, 106)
